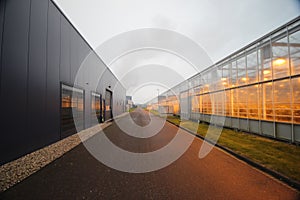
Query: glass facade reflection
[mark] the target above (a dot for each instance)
(72, 110)
(96, 112)
(259, 83)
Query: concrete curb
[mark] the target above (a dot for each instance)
(292, 183)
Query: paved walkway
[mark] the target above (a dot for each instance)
(78, 175)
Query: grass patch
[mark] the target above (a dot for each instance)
(275, 155)
(155, 112)
(131, 109)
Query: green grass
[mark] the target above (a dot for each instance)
(154, 112)
(275, 155)
(131, 109)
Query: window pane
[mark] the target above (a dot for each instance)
(243, 102)
(282, 101)
(219, 103)
(264, 54)
(253, 98)
(242, 72)
(195, 102)
(228, 103)
(280, 61)
(226, 76)
(96, 108)
(206, 104)
(234, 73)
(71, 110)
(296, 99)
(234, 97)
(267, 102)
(252, 67)
(294, 40)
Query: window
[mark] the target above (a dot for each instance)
(72, 110)
(234, 104)
(264, 58)
(294, 43)
(252, 67)
(280, 60)
(226, 76)
(253, 101)
(234, 73)
(242, 102)
(267, 101)
(228, 102)
(195, 98)
(96, 108)
(296, 99)
(282, 101)
(206, 106)
(242, 71)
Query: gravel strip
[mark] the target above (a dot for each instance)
(17, 170)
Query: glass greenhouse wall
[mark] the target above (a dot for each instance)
(256, 89)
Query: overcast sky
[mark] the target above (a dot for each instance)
(219, 27)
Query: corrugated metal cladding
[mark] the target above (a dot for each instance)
(41, 52)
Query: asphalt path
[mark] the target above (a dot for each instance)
(79, 175)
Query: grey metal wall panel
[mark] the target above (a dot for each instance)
(227, 122)
(53, 86)
(74, 54)
(206, 118)
(14, 79)
(284, 131)
(297, 132)
(267, 128)
(254, 126)
(37, 73)
(83, 51)
(235, 123)
(244, 124)
(87, 106)
(65, 65)
(2, 11)
(201, 117)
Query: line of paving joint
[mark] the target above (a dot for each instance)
(17, 170)
(292, 183)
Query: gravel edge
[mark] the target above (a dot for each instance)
(15, 171)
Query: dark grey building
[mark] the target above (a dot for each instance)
(40, 55)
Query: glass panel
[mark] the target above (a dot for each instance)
(226, 76)
(71, 109)
(228, 103)
(264, 54)
(252, 67)
(243, 102)
(206, 104)
(219, 103)
(280, 61)
(218, 79)
(242, 71)
(96, 107)
(296, 99)
(267, 102)
(234, 73)
(195, 103)
(234, 104)
(294, 40)
(253, 98)
(282, 101)
(184, 104)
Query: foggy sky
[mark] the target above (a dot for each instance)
(220, 27)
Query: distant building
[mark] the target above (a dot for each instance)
(129, 102)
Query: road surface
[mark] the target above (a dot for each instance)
(78, 175)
